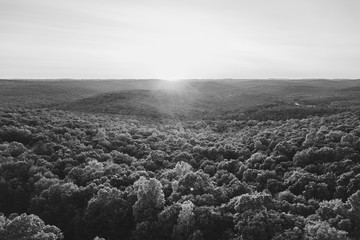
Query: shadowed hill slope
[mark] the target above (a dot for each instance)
(43, 93)
(147, 103)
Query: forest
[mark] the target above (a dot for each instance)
(267, 170)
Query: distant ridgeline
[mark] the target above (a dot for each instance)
(196, 99)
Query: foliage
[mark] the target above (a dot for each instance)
(100, 176)
(27, 227)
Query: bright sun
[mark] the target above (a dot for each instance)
(170, 68)
(172, 59)
(171, 79)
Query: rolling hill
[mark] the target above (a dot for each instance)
(187, 99)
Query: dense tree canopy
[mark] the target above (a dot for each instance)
(82, 176)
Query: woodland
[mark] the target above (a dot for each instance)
(274, 171)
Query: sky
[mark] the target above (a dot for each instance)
(168, 39)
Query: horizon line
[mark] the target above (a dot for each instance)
(164, 79)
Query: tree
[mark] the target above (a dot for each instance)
(263, 224)
(11, 134)
(186, 221)
(354, 201)
(150, 202)
(150, 199)
(253, 201)
(16, 185)
(183, 157)
(62, 204)
(303, 158)
(317, 191)
(155, 160)
(167, 220)
(320, 230)
(196, 183)
(212, 223)
(108, 214)
(182, 168)
(15, 149)
(27, 227)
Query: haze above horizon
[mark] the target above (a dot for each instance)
(168, 39)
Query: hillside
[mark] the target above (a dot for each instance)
(190, 99)
(144, 103)
(187, 99)
(44, 93)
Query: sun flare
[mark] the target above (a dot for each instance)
(171, 79)
(170, 65)
(173, 58)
